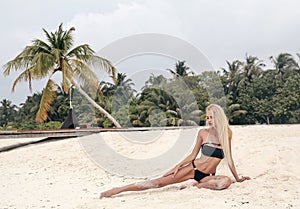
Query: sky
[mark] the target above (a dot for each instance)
(221, 30)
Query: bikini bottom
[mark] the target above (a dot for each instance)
(198, 175)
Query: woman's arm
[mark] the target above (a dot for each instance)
(191, 156)
(231, 163)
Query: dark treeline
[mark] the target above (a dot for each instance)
(250, 93)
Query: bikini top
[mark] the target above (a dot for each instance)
(212, 151)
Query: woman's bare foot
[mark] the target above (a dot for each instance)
(109, 193)
(182, 186)
(188, 184)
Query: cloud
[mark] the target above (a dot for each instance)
(99, 29)
(222, 30)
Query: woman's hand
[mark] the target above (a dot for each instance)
(173, 171)
(243, 178)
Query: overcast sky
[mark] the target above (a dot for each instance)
(221, 30)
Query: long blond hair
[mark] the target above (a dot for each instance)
(220, 123)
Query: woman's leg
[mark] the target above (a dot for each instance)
(183, 174)
(214, 182)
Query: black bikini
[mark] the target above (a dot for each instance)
(212, 151)
(209, 152)
(198, 175)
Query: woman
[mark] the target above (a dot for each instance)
(214, 143)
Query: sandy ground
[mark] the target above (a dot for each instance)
(64, 174)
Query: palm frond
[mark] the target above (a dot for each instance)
(48, 36)
(41, 45)
(26, 58)
(84, 73)
(56, 53)
(152, 108)
(49, 93)
(68, 39)
(43, 63)
(21, 61)
(190, 123)
(82, 52)
(148, 103)
(24, 76)
(67, 75)
(104, 64)
(99, 95)
(196, 113)
(172, 112)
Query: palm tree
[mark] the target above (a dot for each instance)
(27, 112)
(123, 94)
(44, 59)
(283, 63)
(298, 67)
(234, 111)
(121, 91)
(8, 112)
(155, 81)
(122, 81)
(154, 102)
(252, 67)
(233, 76)
(181, 70)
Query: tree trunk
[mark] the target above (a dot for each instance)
(83, 93)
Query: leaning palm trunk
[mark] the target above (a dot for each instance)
(102, 110)
(42, 59)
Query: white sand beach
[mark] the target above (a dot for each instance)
(60, 174)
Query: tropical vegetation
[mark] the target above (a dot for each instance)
(45, 59)
(250, 92)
